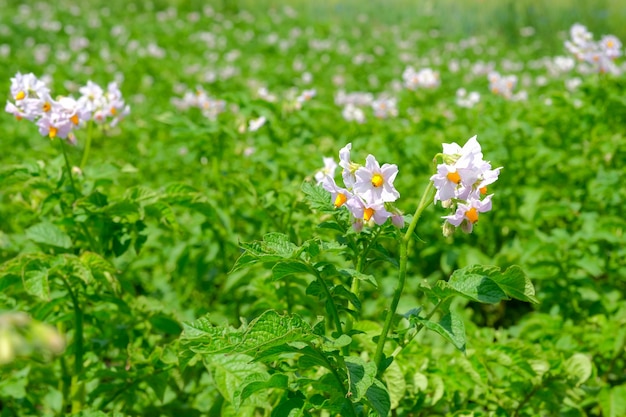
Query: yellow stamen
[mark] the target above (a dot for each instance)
(113, 111)
(609, 44)
(74, 119)
(20, 96)
(46, 107)
(454, 177)
(377, 180)
(483, 190)
(368, 213)
(340, 200)
(472, 215)
(53, 132)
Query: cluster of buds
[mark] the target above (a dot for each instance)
(461, 182)
(209, 106)
(368, 191)
(59, 117)
(424, 78)
(599, 54)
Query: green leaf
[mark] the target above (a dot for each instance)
(473, 282)
(612, 401)
(378, 398)
(36, 283)
(267, 331)
(317, 197)
(49, 234)
(286, 268)
(158, 383)
(578, 367)
(515, 284)
(341, 291)
(230, 370)
(275, 381)
(289, 408)
(331, 344)
(361, 376)
(451, 327)
(396, 384)
(354, 274)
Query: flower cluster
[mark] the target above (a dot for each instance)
(58, 118)
(425, 78)
(502, 85)
(385, 108)
(465, 99)
(461, 182)
(209, 106)
(599, 54)
(368, 191)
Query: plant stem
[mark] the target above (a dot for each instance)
(83, 161)
(351, 411)
(68, 168)
(333, 308)
(355, 286)
(404, 254)
(77, 388)
(417, 329)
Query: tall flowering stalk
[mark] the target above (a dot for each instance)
(58, 118)
(460, 184)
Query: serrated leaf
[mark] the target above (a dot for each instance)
(49, 234)
(378, 398)
(317, 197)
(341, 291)
(451, 327)
(286, 268)
(267, 331)
(278, 244)
(474, 283)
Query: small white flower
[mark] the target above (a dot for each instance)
(256, 124)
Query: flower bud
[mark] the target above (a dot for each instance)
(448, 229)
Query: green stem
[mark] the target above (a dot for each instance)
(83, 161)
(427, 199)
(351, 410)
(77, 387)
(333, 308)
(417, 329)
(355, 286)
(68, 168)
